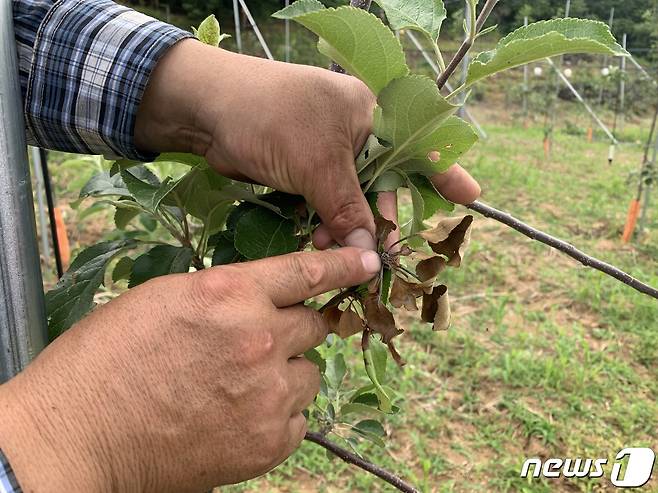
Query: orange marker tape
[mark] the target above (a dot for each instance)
(62, 238)
(631, 219)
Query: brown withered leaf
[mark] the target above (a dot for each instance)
(430, 267)
(405, 251)
(379, 319)
(450, 238)
(383, 228)
(396, 356)
(332, 315)
(350, 323)
(436, 308)
(404, 293)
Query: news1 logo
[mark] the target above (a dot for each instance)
(639, 466)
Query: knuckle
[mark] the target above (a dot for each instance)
(310, 272)
(346, 215)
(258, 347)
(218, 284)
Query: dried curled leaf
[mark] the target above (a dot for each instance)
(450, 238)
(436, 308)
(379, 319)
(383, 228)
(332, 315)
(429, 268)
(349, 324)
(404, 293)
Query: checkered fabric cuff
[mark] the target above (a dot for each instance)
(89, 66)
(8, 483)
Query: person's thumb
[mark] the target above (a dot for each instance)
(341, 205)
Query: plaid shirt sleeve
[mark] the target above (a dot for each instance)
(8, 483)
(84, 65)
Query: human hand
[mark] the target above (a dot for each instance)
(292, 127)
(183, 383)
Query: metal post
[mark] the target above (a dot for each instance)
(647, 188)
(622, 84)
(525, 80)
(287, 24)
(41, 207)
(436, 70)
(236, 20)
(23, 330)
(254, 26)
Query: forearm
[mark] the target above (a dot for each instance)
(37, 437)
(167, 116)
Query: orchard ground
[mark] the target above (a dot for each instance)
(545, 358)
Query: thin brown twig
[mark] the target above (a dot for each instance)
(466, 44)
(564, 247)
(352, 458)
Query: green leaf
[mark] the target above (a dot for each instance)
(335, 371)
(379, 358)
(425, 16)
(355, 39)
(375, 363)
(73, 296)
(299, 8)
(544, 39)
(410, 109)
(362, 409)
(124, 215)
(122, 269)
(208, 31)
(224, 252)
(182, 158)
(388, 181)
(166, 157)
(314, 356)
(371, 426)
(433, 201)
(103, 185)
(160, 261)
(372, 149)
(147, 194)
(261, 233)
(418, 204)
(372, 430)
(451, 139)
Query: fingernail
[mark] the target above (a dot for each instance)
(371, 262)
(360, 238)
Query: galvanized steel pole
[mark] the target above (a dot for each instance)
(23, 331)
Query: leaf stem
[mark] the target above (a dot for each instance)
(438, 55)
(457, 91)
(467, 44)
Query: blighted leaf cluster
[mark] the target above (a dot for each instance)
(368, 309)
